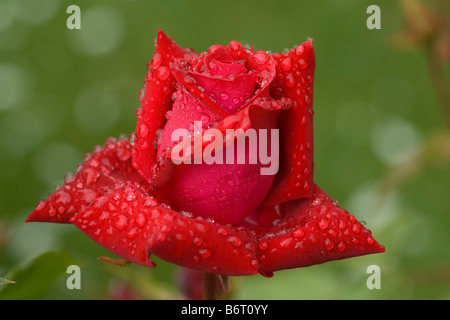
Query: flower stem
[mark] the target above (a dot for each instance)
(209, 286)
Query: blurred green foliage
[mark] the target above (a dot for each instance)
(381, 143)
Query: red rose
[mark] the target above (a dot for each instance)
(136, 198)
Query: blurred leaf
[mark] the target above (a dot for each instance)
(36, 279)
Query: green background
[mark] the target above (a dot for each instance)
(382, 148)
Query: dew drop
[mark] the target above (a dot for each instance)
(204, 253)
(328, 243)
(51, 211)
(155, 213)
(254, 263)
(156, 61)
(286, 64)
(323, 224)
(290, 81)
(299, 50)
(298, 233)
(221, 231)
(356, 228)
(132, 233)
(90, 175)
(41, 205)
(341, 246)
(198, 241)
(303, 64)
(317, 201)
(204, 118)
(163, 73)
(263, 245)
(224, 96)
(261, 57)
(306, 186)
(143, 130)
(235, 241)
(370, 240)
(121, 222)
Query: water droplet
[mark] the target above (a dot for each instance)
(132, 233)
(332, 232)
(307, 171)
(204, 118)
(298, 233)
(306, 186)
(141, 94)
(235, 241)
(261, 57)
(328, 243)
(286, 242)
(254, 263)
(156, 61)
(130, 197)
(51, 211)
(150, 202)
(155, 213)
(143, 130)
(341, 246)
(299, 50)
(307, 99)
(163, 73)
(140, 219)
(123, 154)
(121, 222)
(303, 64)
(317, 201)
(300, 246)
(90, 175)
(370, 240)
(323, 224)
(290, 81)
(263, 245)
(189, 80)
(224, 96)
(234, 45)
(286, 64)
(205, 253)
(41, 205)
(168, 114)
(356, 228)
(222, 231)
(198, 241)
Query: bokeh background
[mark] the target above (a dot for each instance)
(382, 139)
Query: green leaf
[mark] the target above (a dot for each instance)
(33, 281)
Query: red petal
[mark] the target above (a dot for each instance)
(314, 231)
(214, 190)
(295, 74)
(121, 222)
(156, 101)
(134, 225)
(94, 178)
(203, 245)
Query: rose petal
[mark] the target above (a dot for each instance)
(156, 101)
(295, 74)
(313, 231)
(203, 245)
(94, 178)
(228, 192)
(121, 222)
